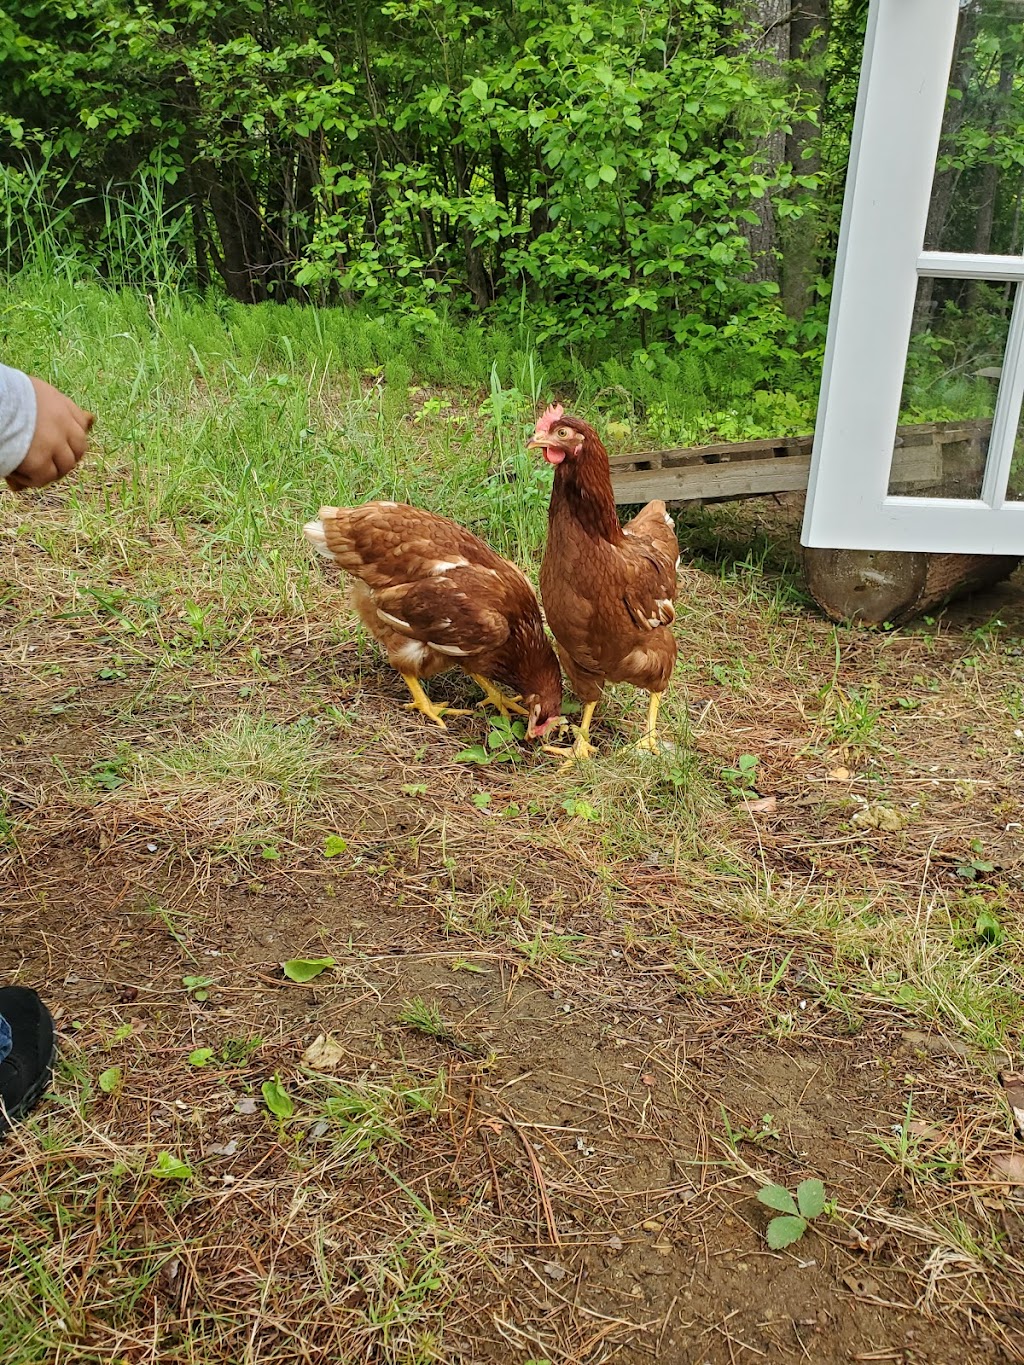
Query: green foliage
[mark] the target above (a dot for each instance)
(502, 744)
(170, 1167)
(277, 1099)
(739, 781)
(198, 987)
(305, 969)
(794, 1214)
(592, 167)
(110, 1080)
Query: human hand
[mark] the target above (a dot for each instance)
(59, 442)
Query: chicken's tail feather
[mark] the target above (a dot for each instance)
(317, 536)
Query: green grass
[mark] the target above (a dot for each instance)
(195, 715)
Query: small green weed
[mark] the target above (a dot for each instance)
(975, 868)
(502, 744)
(795, 1215)
(198, 987)
(739, 781)
(421, 1017)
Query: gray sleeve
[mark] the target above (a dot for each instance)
(17, 418)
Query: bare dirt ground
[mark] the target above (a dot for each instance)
(576, 1020)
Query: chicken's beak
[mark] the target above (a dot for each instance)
(552, 453)
(541, 731)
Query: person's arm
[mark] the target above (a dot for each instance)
(43, 434)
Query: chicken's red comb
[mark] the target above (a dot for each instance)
(549, 418)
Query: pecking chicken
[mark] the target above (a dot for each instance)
(435, 597)
(608, 590)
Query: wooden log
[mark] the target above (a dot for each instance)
(890, 587)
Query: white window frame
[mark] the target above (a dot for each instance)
(908, 54)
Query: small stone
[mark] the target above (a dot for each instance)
(223, 1148)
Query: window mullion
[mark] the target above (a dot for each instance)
(1008, 407)
(965, 266)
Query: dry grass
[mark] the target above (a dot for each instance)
(579, 1015)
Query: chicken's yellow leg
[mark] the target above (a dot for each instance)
(422, 703)
(493, 696)
(649, 743)
(582, 749)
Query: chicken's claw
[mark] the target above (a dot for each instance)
(581, 751)
(650, 743)
(422, 703)
(493, 696)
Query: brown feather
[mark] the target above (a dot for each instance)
(435, 597)
(608, 591)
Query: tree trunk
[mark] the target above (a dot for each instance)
(476, 272)
(500, 181)
(808, 40)
(989, 187)
(771, 48)
(879, 587)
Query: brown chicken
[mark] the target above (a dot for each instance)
(608, 590)
(436, 597)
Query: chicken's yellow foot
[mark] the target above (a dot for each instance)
(493, 696)
(422, 703)
(649, 744)
(582, 749)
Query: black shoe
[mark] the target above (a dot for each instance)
(25, 1072)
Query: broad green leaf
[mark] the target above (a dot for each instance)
(987, 926)
(775, 1197)
(277, 1099)
(479, 88)
(607, 174)
(110, 1080)
(783, 1232)
(200, 1056)
(475, 754)
(810, 1198)
(170, 1167)
(334, 845)
(302, 969)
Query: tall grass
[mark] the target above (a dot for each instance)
(279, 408)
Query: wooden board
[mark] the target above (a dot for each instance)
(745, 469)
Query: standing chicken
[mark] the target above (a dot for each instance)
(608, 590)
(435, 597)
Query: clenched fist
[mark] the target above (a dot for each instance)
(59, 442)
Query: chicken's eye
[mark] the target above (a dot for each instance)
(563, 433)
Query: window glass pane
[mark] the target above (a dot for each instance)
(1015, 488)
(976, 203)
(950, 387)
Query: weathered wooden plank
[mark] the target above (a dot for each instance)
(644, 461)
(923, 435)
(743, 479)
(750, 478)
